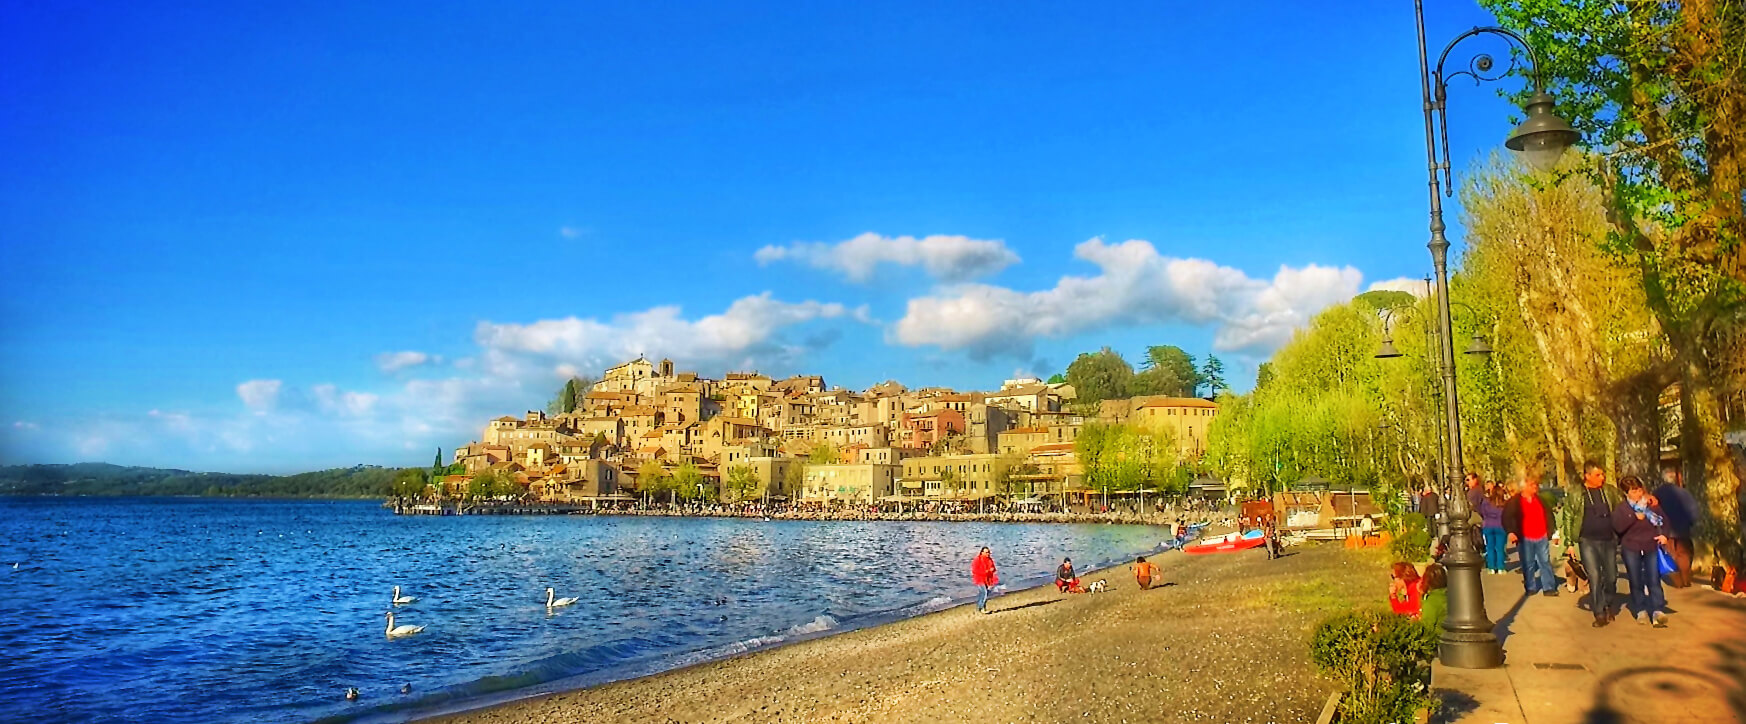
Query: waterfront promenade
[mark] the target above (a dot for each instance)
(1560, 670)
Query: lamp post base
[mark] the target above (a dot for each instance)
(1469, 640)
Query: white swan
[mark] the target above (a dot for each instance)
(553, 602)
(400, 600)
(398, 631)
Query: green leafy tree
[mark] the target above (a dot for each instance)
(1168, 371)
(436, 464)
(742, 483)
(823, 454)
(410, 483)
(689, 481)
(1212, 374)
(1101, 375)
(1057, 379)
(654, 480)
(1658, 85)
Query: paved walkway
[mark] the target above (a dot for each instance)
(1560, 670)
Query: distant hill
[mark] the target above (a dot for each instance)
(362, 481)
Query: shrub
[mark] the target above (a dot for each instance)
(1381, 660)
(1412, 537)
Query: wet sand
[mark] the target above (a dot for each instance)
(1223, 640)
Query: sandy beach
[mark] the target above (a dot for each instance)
(1224, 639)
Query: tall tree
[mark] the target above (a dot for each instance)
(1212, 374)
(1101, 375)
(689, 481)
(1662, 87)
(1168, 371)
(437, 463)
(742, 483)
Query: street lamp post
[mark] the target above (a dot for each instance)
(1468, 641)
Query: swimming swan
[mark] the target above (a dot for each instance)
(400, 600)
(552, 602)
(398, 631)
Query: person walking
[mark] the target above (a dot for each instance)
(1588, 520)
(1491, 530)
(1680, 510)
(1527, 516)
(1642, 526)
(982, 573)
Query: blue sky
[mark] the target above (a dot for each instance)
(279, 237)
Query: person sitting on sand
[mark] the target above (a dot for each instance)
(1144, 572)
(1065, 579)
(1404, 592)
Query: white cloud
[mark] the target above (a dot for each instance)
(395, 361)
(259, 395)
(333, 401)
(1135, 285)
(1415, 287)
(748, 333)
(948, 258)
(570, 232)
(25, 425)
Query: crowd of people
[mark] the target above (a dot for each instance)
(1593, 528)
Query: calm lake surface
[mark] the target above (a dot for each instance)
(194, 610)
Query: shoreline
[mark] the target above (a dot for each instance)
(1112, 518)
(907, 669)
(460, 710)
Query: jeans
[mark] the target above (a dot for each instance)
(982, 597)
(1645, 580)
(1602, 560)
(1537, 574)
(1497, 549)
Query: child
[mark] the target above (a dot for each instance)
(1404, 592)
(1143, 573)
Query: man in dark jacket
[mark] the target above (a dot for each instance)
(1681, 511)
(1588, 522)
(1528, 516)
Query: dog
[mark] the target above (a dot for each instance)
(1575, 574)
(1097, 586)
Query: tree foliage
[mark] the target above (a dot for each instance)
(742, 483)
(363, 481)
(1101, 375)
(1168, 371)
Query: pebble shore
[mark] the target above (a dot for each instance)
(1224, 639)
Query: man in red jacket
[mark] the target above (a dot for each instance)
(983, 575)
(1528, 516)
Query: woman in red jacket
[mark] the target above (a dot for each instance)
(982, 573)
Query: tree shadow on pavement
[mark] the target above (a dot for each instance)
(1660, 693)
(1453, 706)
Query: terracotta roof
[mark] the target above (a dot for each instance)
(653, 433)
(505, 418)
(1053, 447)
(1020, 391)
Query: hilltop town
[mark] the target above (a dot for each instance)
(647, 432)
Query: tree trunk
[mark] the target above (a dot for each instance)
(1636, 427)
(1713, 472)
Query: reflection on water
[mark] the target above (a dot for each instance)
(210, 610)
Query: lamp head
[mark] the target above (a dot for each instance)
(1479, 346)
(1542, 138)
(1387, 351)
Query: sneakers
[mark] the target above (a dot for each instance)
(1642, 618)
(1600, 621)
(1550, 594)
(1660, 619)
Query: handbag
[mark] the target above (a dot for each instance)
(1664, 563)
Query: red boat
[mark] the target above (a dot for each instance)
(1226, 544)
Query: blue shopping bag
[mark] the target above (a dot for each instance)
(1664, 562)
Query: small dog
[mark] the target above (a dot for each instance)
(1575, 575)
(1097, 586)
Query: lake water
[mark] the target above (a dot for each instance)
(193, 610)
